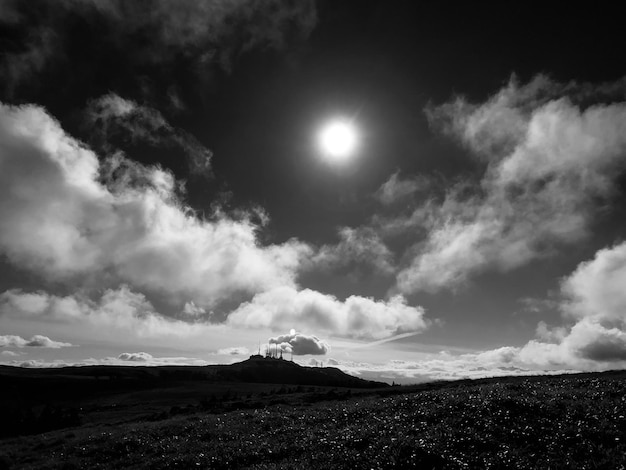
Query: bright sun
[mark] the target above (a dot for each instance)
(338, 139)
(292, 332)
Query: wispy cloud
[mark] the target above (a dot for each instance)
(37, 341)
(234, 351)
(203, 36)
(112, 120)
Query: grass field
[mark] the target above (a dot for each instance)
(549, 422)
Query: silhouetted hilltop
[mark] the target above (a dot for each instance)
(267, 370)
(78, 380)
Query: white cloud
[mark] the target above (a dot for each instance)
(360, 317)
(593, 336)
(443, 366)
(9, 353)
(135, 357)
(300, 344)
(59, 220)
(125, 359)
(549, 164)
(190, 309)
(396, 189)
(234, 351)
(116, 310)
(37, 341)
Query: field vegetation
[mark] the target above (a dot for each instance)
(558, 422)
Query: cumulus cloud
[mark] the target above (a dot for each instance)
(300, 344)
(549, 160)
(112, 118)
(59, 219)
(202, 36)
(593, 334)
(37, 341)
(359, 317)
(117, 309)
(135, 357)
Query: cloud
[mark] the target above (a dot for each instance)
(593, 335)
(9, 353)
(192, 310)
(37, 341)
(124, 359)
(112, 118)
(68, 218)
(234, 351)
(135, 357)
(203, 37)
(396, 189)
(358, 317)
(442, 366)
(358, 249)
(300, 344)
(549, 163)
(120, 310)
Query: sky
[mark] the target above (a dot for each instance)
(166, 196)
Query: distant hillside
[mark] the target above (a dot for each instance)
(264, 370)
(253, 370)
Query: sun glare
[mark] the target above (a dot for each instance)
(338, 139)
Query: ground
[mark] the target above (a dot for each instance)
(576, 421)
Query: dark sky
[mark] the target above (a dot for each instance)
(494, 127)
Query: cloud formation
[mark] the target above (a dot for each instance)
(203, 37)
(135, 357)
(357, 317)
(397, 189)
(37, 341)
(300, 344)
(116, 310)
(112, 118)
(67, 217)
(549, 160)
(358, 249)
(593, 335)
(234, 351)
(124, 359)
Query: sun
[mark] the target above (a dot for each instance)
(338, 139)
(292, 332)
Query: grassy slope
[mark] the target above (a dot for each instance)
(552, 422)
